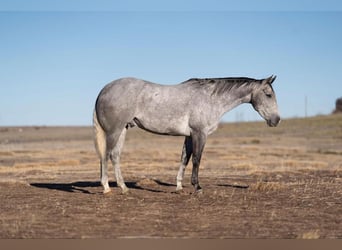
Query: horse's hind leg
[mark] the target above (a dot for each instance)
(101, 148)
(114, 149)
(186, 154)
(104, 176)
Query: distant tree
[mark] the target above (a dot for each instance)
(338, 108)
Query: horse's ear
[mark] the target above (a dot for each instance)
(270, 79)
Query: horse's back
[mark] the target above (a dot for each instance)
(117, 87)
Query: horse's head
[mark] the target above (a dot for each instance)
(265, 103)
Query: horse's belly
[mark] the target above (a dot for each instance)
(165, 125)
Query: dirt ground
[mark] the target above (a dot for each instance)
(258, 182)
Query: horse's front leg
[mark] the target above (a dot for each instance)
(198, 141)
(186, 154)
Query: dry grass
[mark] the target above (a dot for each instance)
(244, 148)
(304, 164)
(310, 235)
(262, 186)
(147, 182)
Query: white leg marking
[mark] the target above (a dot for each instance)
(115, 157)
(180, 177)
(106, 188)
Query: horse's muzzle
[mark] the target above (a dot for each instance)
(274, 121)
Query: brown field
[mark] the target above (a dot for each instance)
(258, 182)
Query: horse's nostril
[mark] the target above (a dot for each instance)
(275, 120)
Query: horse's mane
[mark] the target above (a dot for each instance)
(219, 86)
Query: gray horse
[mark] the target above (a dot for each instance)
(192, 109)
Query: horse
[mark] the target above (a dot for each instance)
(192, 109)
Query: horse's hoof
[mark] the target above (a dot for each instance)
(179, 191)
(125, 190)
(107, 191)
(198, 192)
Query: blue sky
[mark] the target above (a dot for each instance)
(54, 63)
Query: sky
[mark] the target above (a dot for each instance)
(54, 59)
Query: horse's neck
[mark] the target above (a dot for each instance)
(234, 98)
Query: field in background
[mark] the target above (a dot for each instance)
(258, 182)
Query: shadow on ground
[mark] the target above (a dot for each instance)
(83, 186)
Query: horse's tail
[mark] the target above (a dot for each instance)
(100, 137)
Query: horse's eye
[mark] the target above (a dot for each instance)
(268, 93)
